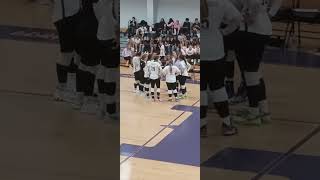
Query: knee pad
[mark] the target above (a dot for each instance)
(65, 59)
(204, 98)
(183, 87)
(100, 72)
(152, 90)
(252, 78)
(169, 91)
(137, 81)
(219, 95)
(147, 85)
(158, 90)
(110, 99)
(175, 91)
(111, 88)
(112, 75)
(91, 69)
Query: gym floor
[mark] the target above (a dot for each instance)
(42, 139)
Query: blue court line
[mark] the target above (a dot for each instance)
(290, 165)
(181, 146)
(288, 154)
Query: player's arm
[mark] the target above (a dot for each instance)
(274, 7)
(204, 9)
(232, 18)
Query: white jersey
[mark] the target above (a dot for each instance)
(146, 69)
(171, 74)
(154, 68)
(136, 64)
(260, 11)
(104, 12)
(184, 67)
(211, 35)
(126, 52)
(71, 7)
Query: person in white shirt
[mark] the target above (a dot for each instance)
(214, 12)
(127, 55)
(170, 72)
(154, 68)
(162, 51)
(136, 71)
(65, 19)
(147, 75)
(184, 68)
(255, 30)
(190, 53)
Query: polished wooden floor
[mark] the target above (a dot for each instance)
(145, 125)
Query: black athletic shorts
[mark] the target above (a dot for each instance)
(172, 86)
(212, 74)
(109, 54)
(155, 82)
(66, 28)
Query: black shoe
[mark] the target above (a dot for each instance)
(203, 132)
(229, 130)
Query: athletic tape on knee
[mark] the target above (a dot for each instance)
(100, 72)
(203, 98)
(110, 99)
(219, 95)
(65, 59)
(91, 69)
(231, 56)
(111, 74)
(252, 78)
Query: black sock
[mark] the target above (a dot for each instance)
(62, 73)
(111, 108)
(222, 108)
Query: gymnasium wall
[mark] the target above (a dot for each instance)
(177, 9)
(130, 8)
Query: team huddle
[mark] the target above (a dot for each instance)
(148, 71)
(226, 25)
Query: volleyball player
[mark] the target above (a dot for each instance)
(146, 75)
(136, 71)
(212, 86)
(184, 68)
(87, 46)
(170, 72)
(65, 18)
(154, 68)
(127, 55)
(106, 13)
(255, 30)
